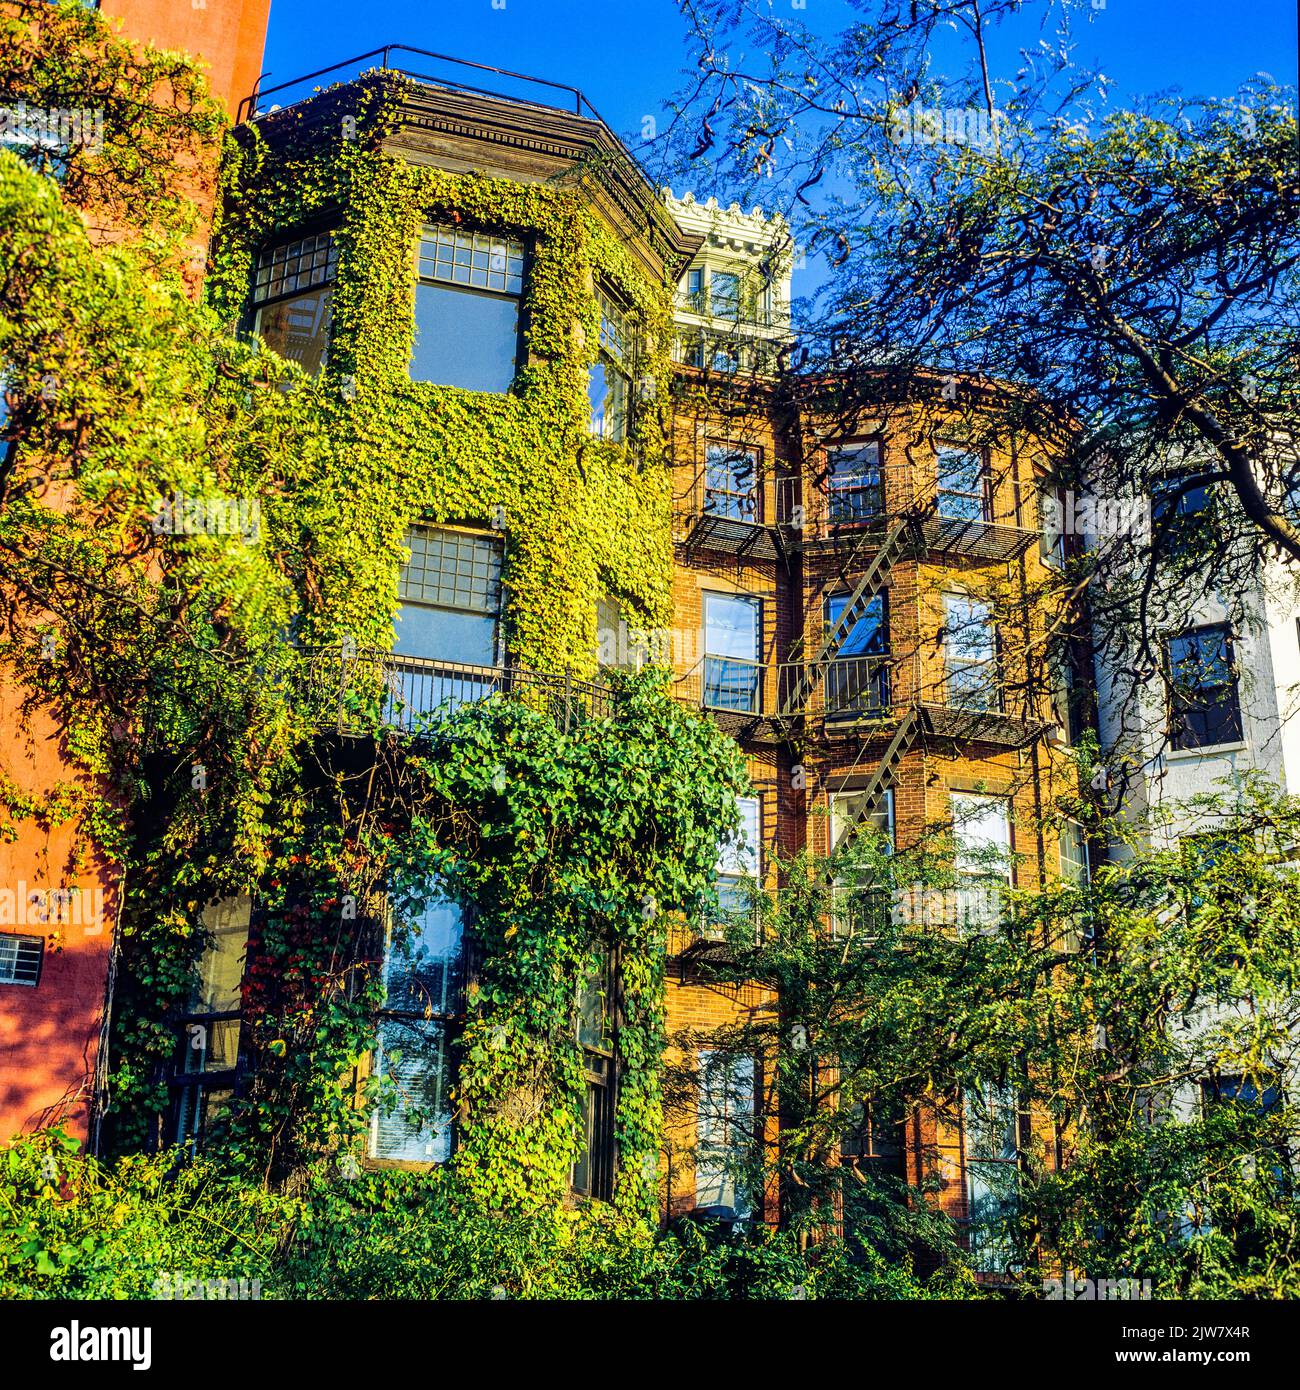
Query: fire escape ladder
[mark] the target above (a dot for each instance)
(873, 577)
(904, 737)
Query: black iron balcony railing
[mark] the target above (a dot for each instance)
(357, 690)
(733, 685)
(985, 525)
(411, 62)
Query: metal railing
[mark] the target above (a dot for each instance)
(814, 508)
(365, 62)
(850, 688)
(357, 690)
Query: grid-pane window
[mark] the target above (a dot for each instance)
(295, 266)
(731, 647)
(467, 309)
(423, 975)
(962, 483)
(472, 258)
(1205, 708)
(20, 959)
(292, 288)
(731, 482)
(725, 1132)
(855, 483)
(450, 592)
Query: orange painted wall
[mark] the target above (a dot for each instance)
(49, 1034)
(229, 35)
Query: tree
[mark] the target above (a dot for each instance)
(1132, 1039)
(1131, 279)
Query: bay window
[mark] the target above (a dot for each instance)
(292, 288)
(610, 379)
(467, 302)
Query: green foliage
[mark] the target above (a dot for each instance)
(76, 1228)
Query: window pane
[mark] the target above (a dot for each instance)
(730, 482)
(20, 959)
(1205, 706)
(413, 1056)
(454, 569)
(724, 294)
(460, 257)
(960, 475)
(294, 266)
(607, 398)
(731, 626)
(855, 483)
(464, 339)
(221, 967)
(298, 329)
(740, 854)
(724, 1130)
(422, 970)
(442, 634)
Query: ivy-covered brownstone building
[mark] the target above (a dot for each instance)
(578, 444)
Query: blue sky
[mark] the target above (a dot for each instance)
(627, 55)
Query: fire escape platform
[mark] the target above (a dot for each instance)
(981, 726)
(731, 536)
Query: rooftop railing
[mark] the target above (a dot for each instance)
(411, 62)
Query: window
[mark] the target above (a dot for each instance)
(970, 654)
(20, 959)
(962, 484)
(992, 1139)
(423, 980)
(861, 908)
(855, 483)
(856, 682)
(450, 602)
(1051, 527)
(982, 831)
(732, 674)
(593, 1171)
(1204, 708)
(725, 1133)
(1073, 853)
(738, 868)
(877, 1141)
(724, 294)
(1182, 518)
(291, 293)
(695, 289)
(467, 309)
(608, 388)
(731, 482)
(207, 1064)
(616, 649)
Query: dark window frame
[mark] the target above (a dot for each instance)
(1182, 736)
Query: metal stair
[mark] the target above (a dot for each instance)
(873, 577)
(904, 737)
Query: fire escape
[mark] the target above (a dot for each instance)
(880, 697)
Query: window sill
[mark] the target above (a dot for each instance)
(1209, 750)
